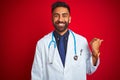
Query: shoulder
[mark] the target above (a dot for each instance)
(79, 37)
(45, 39)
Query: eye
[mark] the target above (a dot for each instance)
(55, 15)
(65, 15)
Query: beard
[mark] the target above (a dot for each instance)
(61, 26)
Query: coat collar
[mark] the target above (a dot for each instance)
(69, 55)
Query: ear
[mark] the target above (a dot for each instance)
(70, 19)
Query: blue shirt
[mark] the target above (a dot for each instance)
(57, 36)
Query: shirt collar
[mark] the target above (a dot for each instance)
(58, 35)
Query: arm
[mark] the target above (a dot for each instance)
(93, 60)
(36, 73)
(95, 45)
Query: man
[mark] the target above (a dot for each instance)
(63, 54)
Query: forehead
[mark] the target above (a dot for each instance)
(60, 10)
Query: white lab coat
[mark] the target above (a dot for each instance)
(47, 63)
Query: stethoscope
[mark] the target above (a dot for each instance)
(53, 42)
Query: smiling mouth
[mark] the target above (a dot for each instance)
(61, 24)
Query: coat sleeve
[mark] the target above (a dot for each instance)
(90, 68)
(37, 67)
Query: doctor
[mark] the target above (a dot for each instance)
(63, 54)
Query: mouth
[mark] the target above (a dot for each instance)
(61, 24)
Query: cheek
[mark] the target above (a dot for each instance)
(55, 20)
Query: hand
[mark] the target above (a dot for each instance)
(95, 45)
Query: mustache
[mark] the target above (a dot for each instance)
(60, 22)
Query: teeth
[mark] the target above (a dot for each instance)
(61, 24)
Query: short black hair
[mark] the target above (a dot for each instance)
(60, 4)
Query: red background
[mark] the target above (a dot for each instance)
(24, 22)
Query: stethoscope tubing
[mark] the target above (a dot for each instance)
(54, 42)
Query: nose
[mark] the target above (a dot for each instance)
(61, 19)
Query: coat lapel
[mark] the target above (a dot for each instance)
(56, 59)
(70, 52)
(57, 63)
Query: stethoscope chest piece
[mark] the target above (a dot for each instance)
(75, 57)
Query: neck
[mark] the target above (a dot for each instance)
(62, 33)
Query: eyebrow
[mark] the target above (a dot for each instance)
(60, 13)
